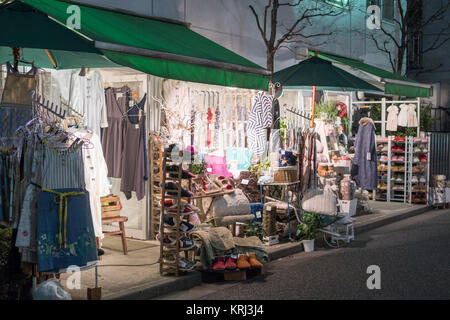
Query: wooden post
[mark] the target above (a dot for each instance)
(313, 106)
(383, 118)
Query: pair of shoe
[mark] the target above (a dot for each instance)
(398, 149)
(173, 170)
(185, 242)
(414, 179)
(398, 158)
(423, 158)
(382, 187)
(418, 169)
(224, 263)
(382, 167)
(184, 226)
(172, 186)
(249, 260)
(399, 139)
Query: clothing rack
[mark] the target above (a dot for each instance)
(301, 114)
(56, 110)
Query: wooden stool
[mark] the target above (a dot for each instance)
(121, 221)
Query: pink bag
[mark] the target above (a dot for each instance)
(217, 165)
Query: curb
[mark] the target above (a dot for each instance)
(384, 219)
(389, 218)
(160, 288)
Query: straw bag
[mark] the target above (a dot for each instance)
(17, 91)
(319, 202)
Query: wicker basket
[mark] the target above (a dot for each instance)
(110, 206)
(285, 174)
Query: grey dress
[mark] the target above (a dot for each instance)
(134, 161)
(113, 136)
(366, 156)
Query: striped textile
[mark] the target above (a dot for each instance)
(63, 169)
(260, 119)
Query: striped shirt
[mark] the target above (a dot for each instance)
(260, 119)
(63, 169)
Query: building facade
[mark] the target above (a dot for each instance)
(232, 24)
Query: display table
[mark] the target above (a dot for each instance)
(287, 185)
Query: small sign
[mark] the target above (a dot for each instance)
(136, 126)
(244, 182)
(119, 95)
(258, 214)
(369, 156)
(269, 208)
(209, 169)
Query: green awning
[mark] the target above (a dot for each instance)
(160, 48)
(393, 83)
(63, 59)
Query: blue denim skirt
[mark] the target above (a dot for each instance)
(63, 243)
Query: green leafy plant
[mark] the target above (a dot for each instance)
(328, 108)
(199, 168)
(255, 229)
(307, 229)
(260, 167)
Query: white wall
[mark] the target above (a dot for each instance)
(231, 24)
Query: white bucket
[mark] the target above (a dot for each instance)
(308, 245)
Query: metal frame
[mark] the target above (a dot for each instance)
(383, 103)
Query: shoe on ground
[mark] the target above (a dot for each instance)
(242, 262)
(230, 263)
(219, 264)
(254, 261)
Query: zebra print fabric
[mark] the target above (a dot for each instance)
(260, 119)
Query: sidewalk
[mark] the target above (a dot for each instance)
(136, 275)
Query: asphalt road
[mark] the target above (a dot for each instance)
(413, 256)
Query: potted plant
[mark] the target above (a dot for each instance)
(326, 110)
(307, 230)
(254, 228)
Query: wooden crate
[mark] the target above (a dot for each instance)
(237, 275)
(110, 206)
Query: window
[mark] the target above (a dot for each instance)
(373, 3)
(414, 52)
(338, 3)
(387, 10)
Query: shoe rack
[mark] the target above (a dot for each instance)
(392, 177)
(170, 251)
(419, 175)
(156, 169)
(398, 164)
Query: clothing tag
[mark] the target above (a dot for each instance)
(269, 208)
(131, 103)
(119, 95)
(245, 182)
(136, 126)
(258, 214)
(369, 156)
(209, 169)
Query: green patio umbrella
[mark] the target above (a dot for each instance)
(44, 41)
(320, 74)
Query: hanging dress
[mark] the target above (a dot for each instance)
(65, 233)
(403, 116)
(113, 135)
(392, 118)
(412, 116)
(134, 161)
